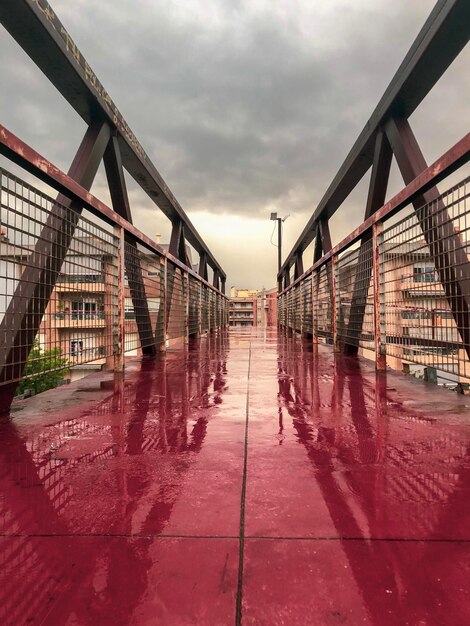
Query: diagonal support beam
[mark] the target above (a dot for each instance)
(299, 265)
(324, 240)
(177, 248)
(23, 317)
(322, 246)
(177, 243)
(216, 280)
(203, 266)
(446, 247)
(120, 201)
(286, 279)
(375, 199)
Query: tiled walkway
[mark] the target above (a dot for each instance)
(243, 480)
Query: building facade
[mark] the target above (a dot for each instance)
(243, 311)
(253, 307)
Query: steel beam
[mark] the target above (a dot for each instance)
(215, 281)
(203, 266)
(177, 243)
(443, 36)
(375, 199)
(299, 265)
(38, 30)
(23, 316)
(322, 244)
(286, 279)
(120, 202)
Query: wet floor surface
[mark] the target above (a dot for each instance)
(245, 479)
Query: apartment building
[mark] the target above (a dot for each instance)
(242, 311)
(252, 307)
(421, 334)
(81, 317)
(266, 304)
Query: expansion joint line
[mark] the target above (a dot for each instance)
(238, 616)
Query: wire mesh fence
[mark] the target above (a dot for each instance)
(58, 285)
(405, 288)
(425, 274)
(175, 302)
(306, 305)
(355, 296)
(323, 294)
(77, 292)
(143, 298)
(194, 306)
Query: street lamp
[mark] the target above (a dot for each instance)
(279, 220)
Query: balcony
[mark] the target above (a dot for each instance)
(93, 283)
(79, 320)
(425, 287)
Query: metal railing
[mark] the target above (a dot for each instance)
(105, 290)
(398, 289)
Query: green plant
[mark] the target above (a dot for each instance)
(44, 369)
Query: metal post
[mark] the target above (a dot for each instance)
(209, 299)
(314, 321)
(120, 202)
(279, 244)
(186, 338)
(165, 314)
(119, 332)
(200, 316)
(380, 356)
(334, 304)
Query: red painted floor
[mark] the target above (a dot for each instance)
(245, 479)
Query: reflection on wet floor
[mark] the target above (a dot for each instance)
(347, 495)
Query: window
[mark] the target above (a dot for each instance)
(129, 313)
(410, 314)
(87, 310)
(444, 315)
(424, 273)
(437, 351)
(76, 347)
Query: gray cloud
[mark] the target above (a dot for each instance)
(243, 106)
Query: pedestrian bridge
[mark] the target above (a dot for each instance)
(158, 466)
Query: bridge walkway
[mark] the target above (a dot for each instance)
(245, 478)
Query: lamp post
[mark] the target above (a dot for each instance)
(279, 220)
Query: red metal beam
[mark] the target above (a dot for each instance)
(375, 198)
(120, 201)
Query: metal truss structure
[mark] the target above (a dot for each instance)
(388, 134)
(39, 257)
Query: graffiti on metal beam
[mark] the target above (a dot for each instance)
(87, 73)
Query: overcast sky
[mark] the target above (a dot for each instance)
(245, 106)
